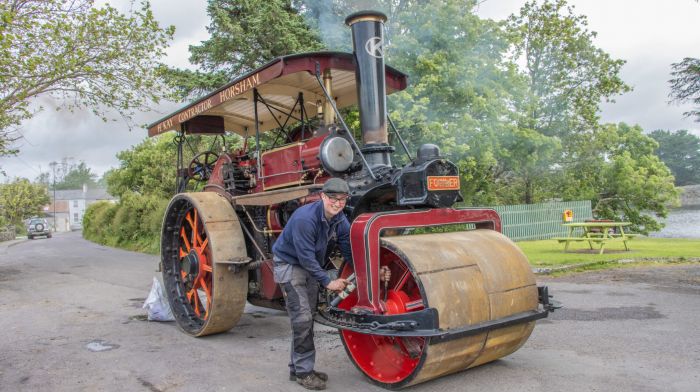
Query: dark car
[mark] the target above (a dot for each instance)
(38, 227)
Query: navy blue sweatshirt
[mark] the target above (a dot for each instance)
(305, 238)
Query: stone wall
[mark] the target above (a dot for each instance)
(690, 195)
(7, 233)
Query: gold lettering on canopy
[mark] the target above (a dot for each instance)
(229, 93)
(165, 125)
(239, 88)
(194, 110)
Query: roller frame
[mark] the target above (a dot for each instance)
(364, 241)
(477, 324)
(366, 316)
(418, 324)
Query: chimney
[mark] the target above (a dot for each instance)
(368, 49)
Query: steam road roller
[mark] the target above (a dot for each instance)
(460, 294)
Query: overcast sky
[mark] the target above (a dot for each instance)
(648, 34)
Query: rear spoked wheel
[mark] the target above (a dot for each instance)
(206, 296)
(195, 265)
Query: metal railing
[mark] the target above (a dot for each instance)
(540, 221)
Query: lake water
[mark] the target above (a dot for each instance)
(681, 223)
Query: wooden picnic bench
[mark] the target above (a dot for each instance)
(599, 233)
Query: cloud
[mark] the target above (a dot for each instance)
(53, 135)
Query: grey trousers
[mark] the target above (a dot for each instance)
(301, 296)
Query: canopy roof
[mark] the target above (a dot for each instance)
(279, 82)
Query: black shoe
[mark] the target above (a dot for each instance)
(311, 381)
(323, 376)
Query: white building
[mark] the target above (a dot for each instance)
(70, 206)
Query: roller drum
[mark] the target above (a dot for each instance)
(469, 278)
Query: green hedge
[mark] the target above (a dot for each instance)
(133, 223)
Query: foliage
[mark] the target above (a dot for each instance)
(567, 77)
(244, 35)
(685, 85)
(133, 223)
(635, 183)
(149, 168)
(144, 183)
(44, 178)
(461, 89)
(77, 176)
(680, 151)
(82, 55)
(20, 199)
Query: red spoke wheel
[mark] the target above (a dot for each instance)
(201, 233)
(469, 277)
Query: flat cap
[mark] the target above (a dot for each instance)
(336, 185)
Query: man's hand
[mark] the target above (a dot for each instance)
(337, 285)
(384, 274)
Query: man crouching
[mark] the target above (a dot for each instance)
(299, 253)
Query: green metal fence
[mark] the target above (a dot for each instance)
(540, 221)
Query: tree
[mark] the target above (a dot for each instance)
(244, 35)
(43, 178)
(20, 199)
(147, 168)
(567, 77)
(83, 56)
(461, 89)
(635, 181)
(150, 167)
(685, 85)
(461, 85)
(76, 176)
(680, 151)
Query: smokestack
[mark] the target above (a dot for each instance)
(368, 47)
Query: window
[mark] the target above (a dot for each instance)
(75, 203)
(75, 217)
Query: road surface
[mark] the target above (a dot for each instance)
(72, 321)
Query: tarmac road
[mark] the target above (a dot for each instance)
(71, 320)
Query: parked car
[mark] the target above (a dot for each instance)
(38, 227)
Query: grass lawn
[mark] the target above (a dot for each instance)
(550, 253)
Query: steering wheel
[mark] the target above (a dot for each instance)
(202, 165)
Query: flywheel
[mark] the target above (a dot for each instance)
(201, 236)
(469, 278)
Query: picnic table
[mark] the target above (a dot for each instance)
(599, 233)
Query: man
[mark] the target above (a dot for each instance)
(299, 253)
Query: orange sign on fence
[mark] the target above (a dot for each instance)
(568, 216)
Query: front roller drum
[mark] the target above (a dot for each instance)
(469, 278)
(201, 238)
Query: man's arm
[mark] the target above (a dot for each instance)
(305, 244)
(343, 231)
